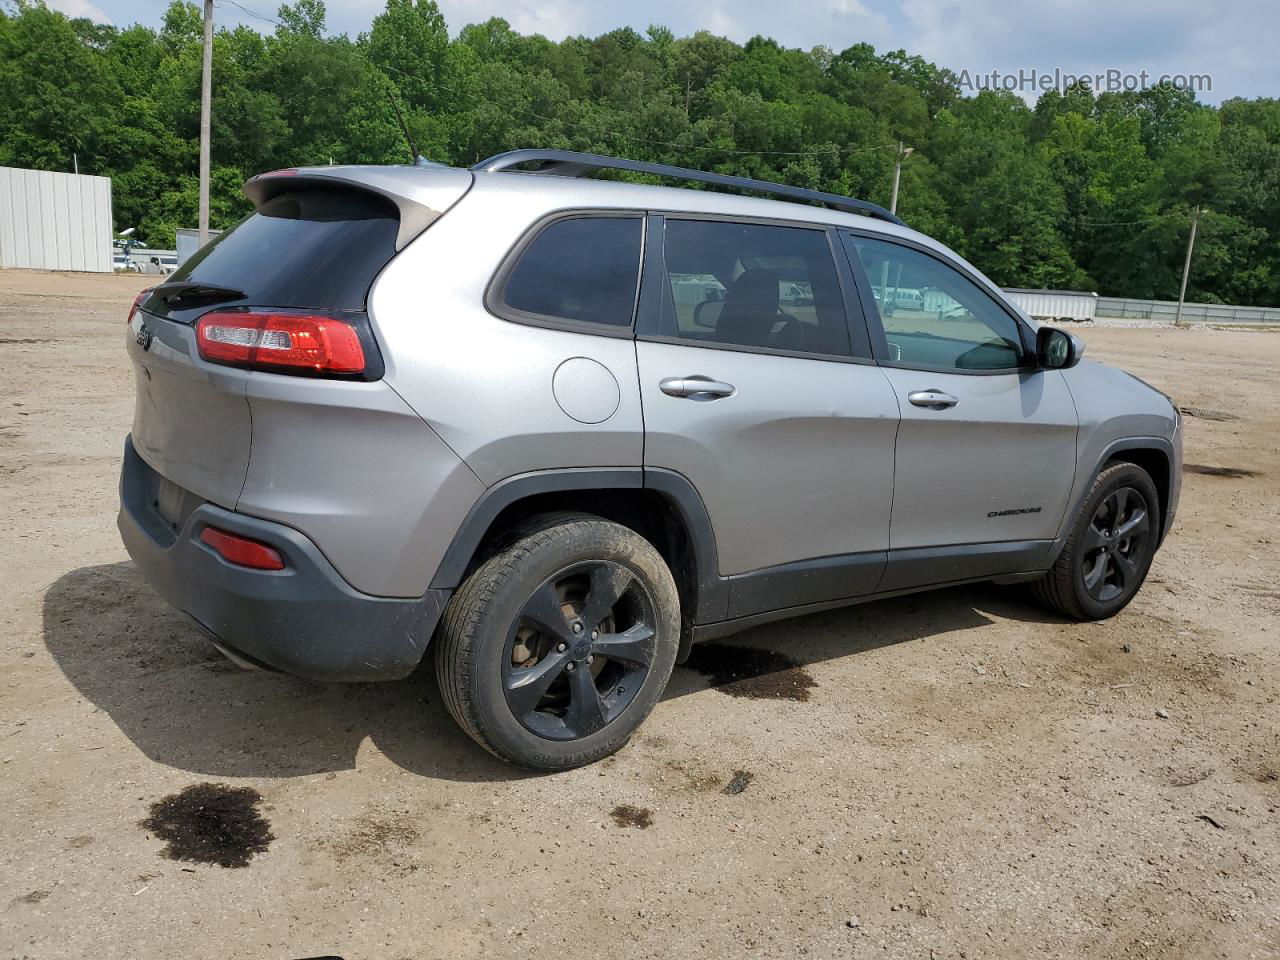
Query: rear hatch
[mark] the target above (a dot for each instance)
(310, 251)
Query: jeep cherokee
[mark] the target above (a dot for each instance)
(567, 427)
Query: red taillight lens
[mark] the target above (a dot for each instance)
(137, 302)
(242, 550)
(280, 341)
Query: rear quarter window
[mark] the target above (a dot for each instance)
(576, 270)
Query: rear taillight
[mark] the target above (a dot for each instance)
(280, 342)
(137, 302)
(242, 550)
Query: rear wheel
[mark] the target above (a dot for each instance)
(556, 649)
(1110, 549)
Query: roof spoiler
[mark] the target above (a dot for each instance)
(419, 199)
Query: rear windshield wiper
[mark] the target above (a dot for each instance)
(189, 290)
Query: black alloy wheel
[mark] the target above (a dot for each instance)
(555, 649)
(1109, 549)
(1115, 544)
(579, 650)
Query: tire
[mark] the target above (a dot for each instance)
(558, 646)
(1105, 562)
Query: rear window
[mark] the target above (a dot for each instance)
(307, 248)
(580, 269)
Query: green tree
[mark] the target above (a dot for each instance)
(1081, 190)
(57, 95)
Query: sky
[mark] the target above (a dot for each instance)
(1233, 42)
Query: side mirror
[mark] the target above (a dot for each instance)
(1056, 349)
(707, 314)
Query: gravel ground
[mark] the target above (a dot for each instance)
(955, 774)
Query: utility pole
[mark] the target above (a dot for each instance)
(206, 107)
(1186, 266)
(886, 307)
(903, 153)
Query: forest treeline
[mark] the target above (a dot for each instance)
(1082, 190)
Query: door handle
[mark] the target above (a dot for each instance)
(696, 388)
(933, 399)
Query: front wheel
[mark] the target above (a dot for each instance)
(1110, 549)
(556, 649)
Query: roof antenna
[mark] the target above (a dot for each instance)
(418, 159)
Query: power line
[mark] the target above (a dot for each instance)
(628, 136)
(1117, 223)
(848, 151)
(251, 13)
(1163, 218)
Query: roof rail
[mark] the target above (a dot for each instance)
(567, 163)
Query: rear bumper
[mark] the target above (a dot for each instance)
(304, 620)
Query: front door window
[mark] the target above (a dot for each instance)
(934, 317)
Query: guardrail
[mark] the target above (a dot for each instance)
(1125, 308)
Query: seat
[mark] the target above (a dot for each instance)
(750, 310)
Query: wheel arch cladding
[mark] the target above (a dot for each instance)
(1153, 454)
(661, 506)
(1158, 465)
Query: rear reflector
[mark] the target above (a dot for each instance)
(283, 342)
(242, 550)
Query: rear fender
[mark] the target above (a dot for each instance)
(711, 598)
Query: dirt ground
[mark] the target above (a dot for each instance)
(955, 774)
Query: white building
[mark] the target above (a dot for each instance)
(188, 242)
(54, 221)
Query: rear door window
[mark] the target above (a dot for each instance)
(752, 285)
(579, 270)
(317, 248)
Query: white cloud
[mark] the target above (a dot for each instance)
(1233, 40)
(80, 8)
(551, 19)
(1093, 36)
(720, 22)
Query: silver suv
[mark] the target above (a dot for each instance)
(568, 427)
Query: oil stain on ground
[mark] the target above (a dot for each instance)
(211, 823)
(741, 780)
(1233, 473)
(625, 815)
(748, 672)
(374, 834)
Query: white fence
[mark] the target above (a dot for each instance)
(1054, 304)
(54, 221)
(1075, 305)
